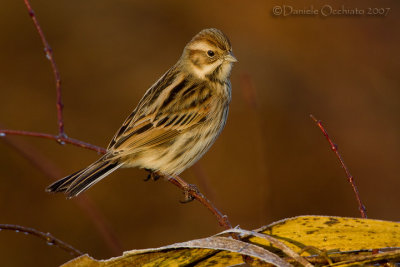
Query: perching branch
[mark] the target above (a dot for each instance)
(51, 240)
(350, 177)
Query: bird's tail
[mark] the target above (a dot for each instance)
(80, 181)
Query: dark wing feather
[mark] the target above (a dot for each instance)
(147, 100)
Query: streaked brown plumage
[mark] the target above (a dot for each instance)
(175, 122)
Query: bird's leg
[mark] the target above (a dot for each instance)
(152, 175)
(188, 189)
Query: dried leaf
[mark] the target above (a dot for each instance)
(216, 251)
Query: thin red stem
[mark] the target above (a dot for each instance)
(49, 55)
(61, 139)
(350, 177)
(51, 240)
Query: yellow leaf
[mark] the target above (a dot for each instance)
(332, 233)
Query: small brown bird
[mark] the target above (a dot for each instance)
(176, 121)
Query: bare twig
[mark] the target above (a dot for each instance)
(350, 177)
(49, 55)
(60, 139)
(51, 240)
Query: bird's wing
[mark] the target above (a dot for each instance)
(163, 113)
(148, 132)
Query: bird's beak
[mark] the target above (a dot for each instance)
(230, 58)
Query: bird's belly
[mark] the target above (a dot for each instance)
(184, 150)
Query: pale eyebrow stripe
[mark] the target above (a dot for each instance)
(200, 46)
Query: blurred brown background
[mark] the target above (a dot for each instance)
(271, 161)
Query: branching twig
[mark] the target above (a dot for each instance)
(57, 77)
(51, 240)
(350, 177)
(60, 139)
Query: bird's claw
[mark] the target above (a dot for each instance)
(188, 191)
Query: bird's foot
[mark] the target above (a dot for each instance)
(188, 191)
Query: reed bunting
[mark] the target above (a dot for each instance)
(176, 121)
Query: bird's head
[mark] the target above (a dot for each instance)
(209, 56)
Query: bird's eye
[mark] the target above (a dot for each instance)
(210, 53)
